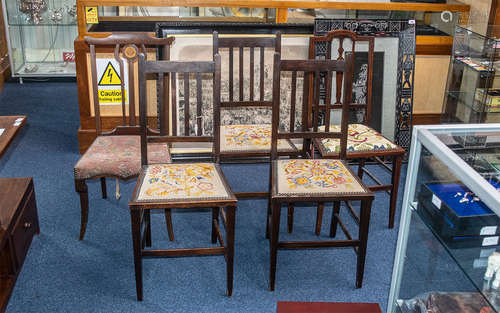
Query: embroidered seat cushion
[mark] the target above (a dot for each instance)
(361, 138)
(183, 181)
(251, 138)
(315, 177)
(118, 156)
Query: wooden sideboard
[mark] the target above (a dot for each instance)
(18, 225)
(10, 126)
(4, 52)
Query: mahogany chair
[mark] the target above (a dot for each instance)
(235, 137)
(181, 185)
(363, 143)
(314, 180)
(116, 152)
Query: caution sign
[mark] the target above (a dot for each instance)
(110, 80)
(110, 77)
(91, 16)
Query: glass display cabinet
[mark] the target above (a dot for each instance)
(446, 256)
(473, 87)
(40, 37)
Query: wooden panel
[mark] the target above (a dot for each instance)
(434, 45)
(431, 73)
(426, 118)
(327, 307)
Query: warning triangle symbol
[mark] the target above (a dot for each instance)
(110, 77)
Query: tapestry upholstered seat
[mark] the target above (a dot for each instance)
(252, 138)
(118, 156)
(182, 181)
(361, 138)
(303, 177)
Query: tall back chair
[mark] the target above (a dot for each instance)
(238, 135)
(180, 185)
(364, 143)
(343, 38)
(308, 179)
(116, 150)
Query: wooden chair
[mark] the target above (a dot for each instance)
(180, 185)
(246, 138)
(116, 152)
(363, 143)
(314, 180)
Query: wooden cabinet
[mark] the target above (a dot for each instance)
(18, 225)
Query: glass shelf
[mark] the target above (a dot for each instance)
(40, 37)
(474, 72)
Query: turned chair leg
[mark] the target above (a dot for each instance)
(364, 224)
(396, 173)
(275, 230)
(170, 227)
(81, 188)
(103, 188)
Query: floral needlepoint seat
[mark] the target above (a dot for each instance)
(361, 139)
(306, 177)
(118, 156)
(251, 138)
(183, 181)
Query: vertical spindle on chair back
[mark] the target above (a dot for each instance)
(126, 50)
(172, 70)
(241, 44)
(312, 71)
(326, 53)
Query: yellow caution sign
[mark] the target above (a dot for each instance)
(111, 96)
(110, 77)
(91, 16)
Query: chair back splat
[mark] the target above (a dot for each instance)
(191, 75)
(341, 38)
(310, 71)
(126, 48)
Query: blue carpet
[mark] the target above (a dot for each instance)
(62, 274)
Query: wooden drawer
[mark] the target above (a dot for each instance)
(25, 228)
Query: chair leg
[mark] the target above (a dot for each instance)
(275, 230)
(81, 188)
(135, 219)
(396, 172)
(231, 216)
(215, 219)
(291, 212)
(335, 220)
(319, 218)
(361, 165)
(268, 217)
(103, 188)
(364, 224)
(170, 227)
(147, 220)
